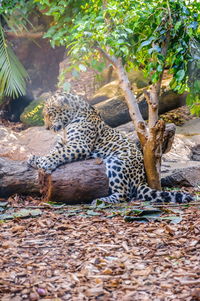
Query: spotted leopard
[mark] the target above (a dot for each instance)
(89, 137)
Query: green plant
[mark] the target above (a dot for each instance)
(153, 36)
(13, 15)
(12, 72)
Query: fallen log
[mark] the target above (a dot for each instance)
(77, 182)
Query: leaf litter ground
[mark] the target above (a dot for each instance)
(127, 252)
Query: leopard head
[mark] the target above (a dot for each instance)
(60, 109)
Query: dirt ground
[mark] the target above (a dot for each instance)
(80, 253)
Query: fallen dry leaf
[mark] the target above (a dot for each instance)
(55, 257)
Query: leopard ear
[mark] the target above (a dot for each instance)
(63, 100)
(52, 102)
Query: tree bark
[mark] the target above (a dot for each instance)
(152, 151)
(16, 177)
(77, 182)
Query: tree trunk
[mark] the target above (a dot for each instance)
(152, 151)
(77, 182)
(152, 148)
(152, 141)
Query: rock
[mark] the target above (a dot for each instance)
(136, 77)
(40, 60)
(10, 109)
(110, 103)
(181, 166)
(190, 128)
(112, 88)
(108, 91)
(114, 111)
(186, 174)
(32, 115)
(18, 146)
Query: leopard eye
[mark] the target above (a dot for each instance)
(51, 114)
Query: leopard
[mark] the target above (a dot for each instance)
(88, 136)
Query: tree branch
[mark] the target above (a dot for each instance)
(131, 100)
(153, 97)
(111, 59)
(25, 34)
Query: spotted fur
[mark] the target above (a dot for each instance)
(88, 136)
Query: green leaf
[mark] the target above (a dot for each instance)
(12, 73)
(178, 25)
(155, 77)
(156, 48)
(66, 87)
(180, 75)
(3, 204)
(140, 219)
(159, 68)
(147, 42)
(75, 73)
(129, 30)
(136, 211)
(92, 213)
(82, 67)
(23, 213)
(35, 212)
(193, 25)
(6, 216)
(120, 41)
(173, 219)
(149, 212)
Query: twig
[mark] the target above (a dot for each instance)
(111, 59)
(25, 34)
(188, 282)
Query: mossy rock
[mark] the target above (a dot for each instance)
(32, 115)
(135, 77)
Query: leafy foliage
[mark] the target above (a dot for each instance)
(14, 13)
(193, 99)
(135, 31)
(12, 73)
(14, 16)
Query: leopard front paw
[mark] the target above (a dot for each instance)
(41, 163)
(32, 161)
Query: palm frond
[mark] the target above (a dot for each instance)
(12, 73)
